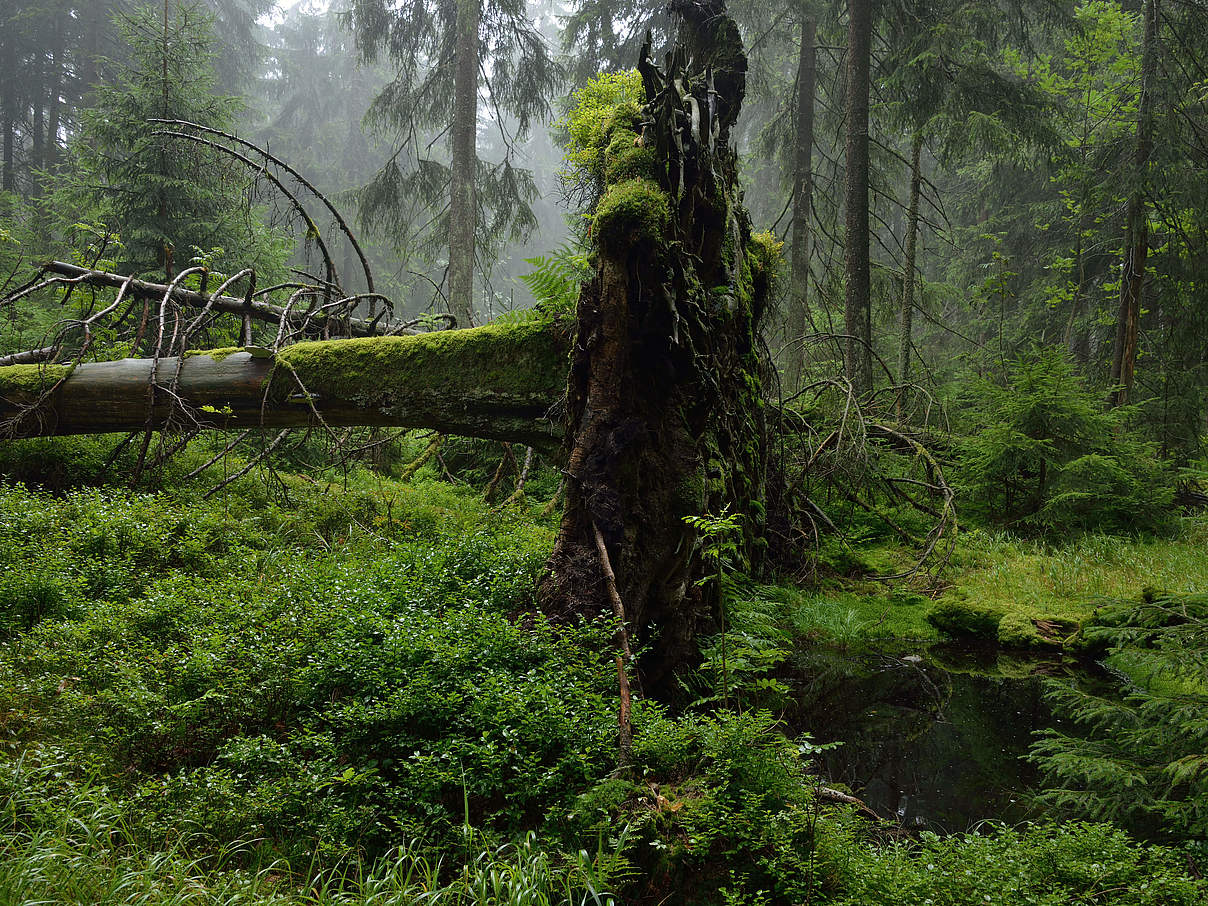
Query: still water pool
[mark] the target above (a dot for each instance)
(932, 738)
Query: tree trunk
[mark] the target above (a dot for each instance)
(1136, 238)
(8, 180)
(663, 408)
(858, 302)
(493, 382)
(54, 97)
(803, 191)
(908, 276)
(463, 212)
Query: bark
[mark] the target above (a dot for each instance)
(858, 302)
(30, 356)
(803, 190)
(8, 179)
(492, 382)
(463, 212)
(908, 277)
(663, 417)
(8, 111)
(1136, 239)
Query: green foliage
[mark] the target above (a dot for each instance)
(242, 680)
(153, 190)
(80, 848)
(1142, 759)
(610, 102)
(556, 278)
(1037, 865)
(727, 799)
(1043, 455)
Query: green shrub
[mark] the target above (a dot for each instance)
(1142, 760)
(1037, 865)
(1042, 454)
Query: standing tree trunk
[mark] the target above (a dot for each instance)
(803, 191)
(463, 213)
(54, 96)
(908, 276)
(8, 179)
(858, 301)
(10, 51)
(1136, 236)
(663, 398)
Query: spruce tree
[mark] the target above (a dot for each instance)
(448, 56)
(164, 197)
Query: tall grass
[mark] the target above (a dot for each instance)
(1067, 579)
(78, 849)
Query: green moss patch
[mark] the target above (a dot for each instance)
(30, 379)
(216, 354)
(630, 212)
(519, 361)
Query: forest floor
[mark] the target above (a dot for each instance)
(997, 587)
(309, 688)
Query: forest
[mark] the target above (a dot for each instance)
(604, 452)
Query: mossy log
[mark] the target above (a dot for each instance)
(495, 382)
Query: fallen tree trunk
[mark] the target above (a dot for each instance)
(495, 382)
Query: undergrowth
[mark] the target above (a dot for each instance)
(316, 689)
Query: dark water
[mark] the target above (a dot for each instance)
(932, 737)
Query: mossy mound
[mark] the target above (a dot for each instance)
(630, 212)
(965, 620)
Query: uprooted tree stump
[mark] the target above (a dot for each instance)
(664, 403)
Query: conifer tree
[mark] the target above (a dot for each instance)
(448, 56)
(163, 197)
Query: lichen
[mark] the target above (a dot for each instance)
(30, 380)
(631, 212)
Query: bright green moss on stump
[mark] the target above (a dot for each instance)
(631, 212)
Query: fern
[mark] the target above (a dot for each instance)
(1140, 759)
(556, 277)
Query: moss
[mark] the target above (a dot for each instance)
(605, 105)
(31, 379)
(216, 354)
(765, 253)
(967, 620)
(525, 360)
(631, 212)
(626, 158)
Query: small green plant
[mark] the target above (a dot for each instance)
(556, 277)
(1043, 455)
(1141, 760)
(719, 536)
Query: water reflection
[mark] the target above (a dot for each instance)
(932, 738)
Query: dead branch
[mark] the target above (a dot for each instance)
(261, 311)
(30, 356)
(344, 228)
